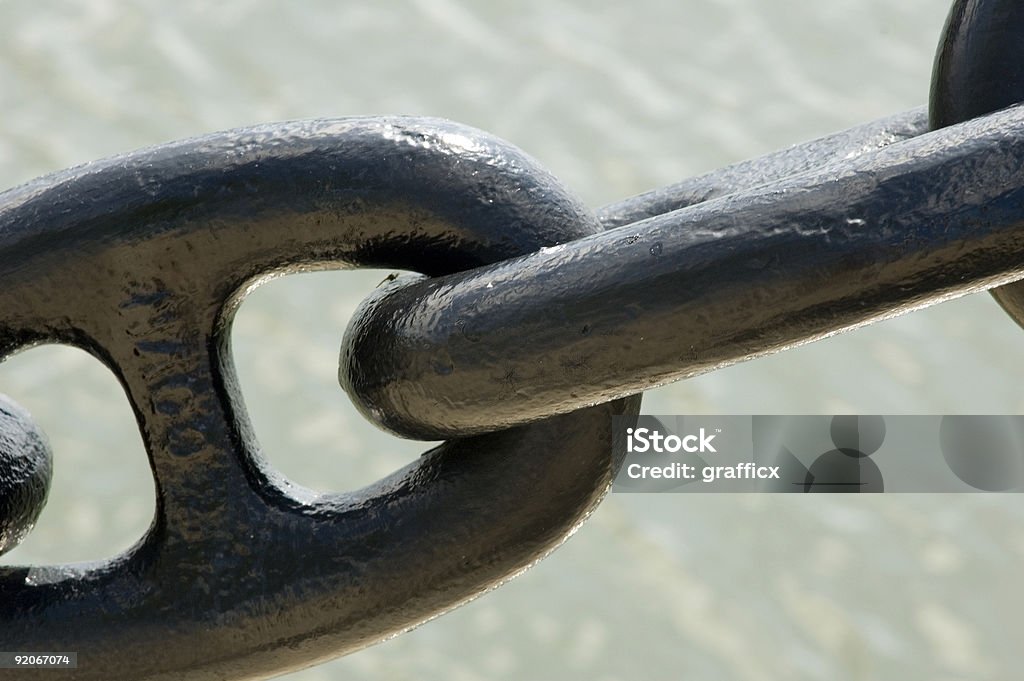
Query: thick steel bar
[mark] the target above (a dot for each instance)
(844, 145)
(917, 222)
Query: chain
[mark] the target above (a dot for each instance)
(979, 69)
(533, 323)
(907, 222)
(141, 260)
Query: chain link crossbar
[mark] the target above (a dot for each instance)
(142, 260)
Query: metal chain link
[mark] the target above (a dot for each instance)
(141, 260)
(534, 311)
(913, 221)
(979, 69)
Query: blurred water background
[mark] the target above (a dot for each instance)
(615, 98)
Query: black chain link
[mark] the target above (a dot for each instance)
(142, 260)
(907, 222)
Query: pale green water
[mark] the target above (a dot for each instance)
(615, 98)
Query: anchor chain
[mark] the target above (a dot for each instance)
(142, 260)
(911, 223)
(528, 312)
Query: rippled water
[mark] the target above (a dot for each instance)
(615, 98)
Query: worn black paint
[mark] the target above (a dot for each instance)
(979, 68)
(799, 158)
(914, 222)
(142, 260)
